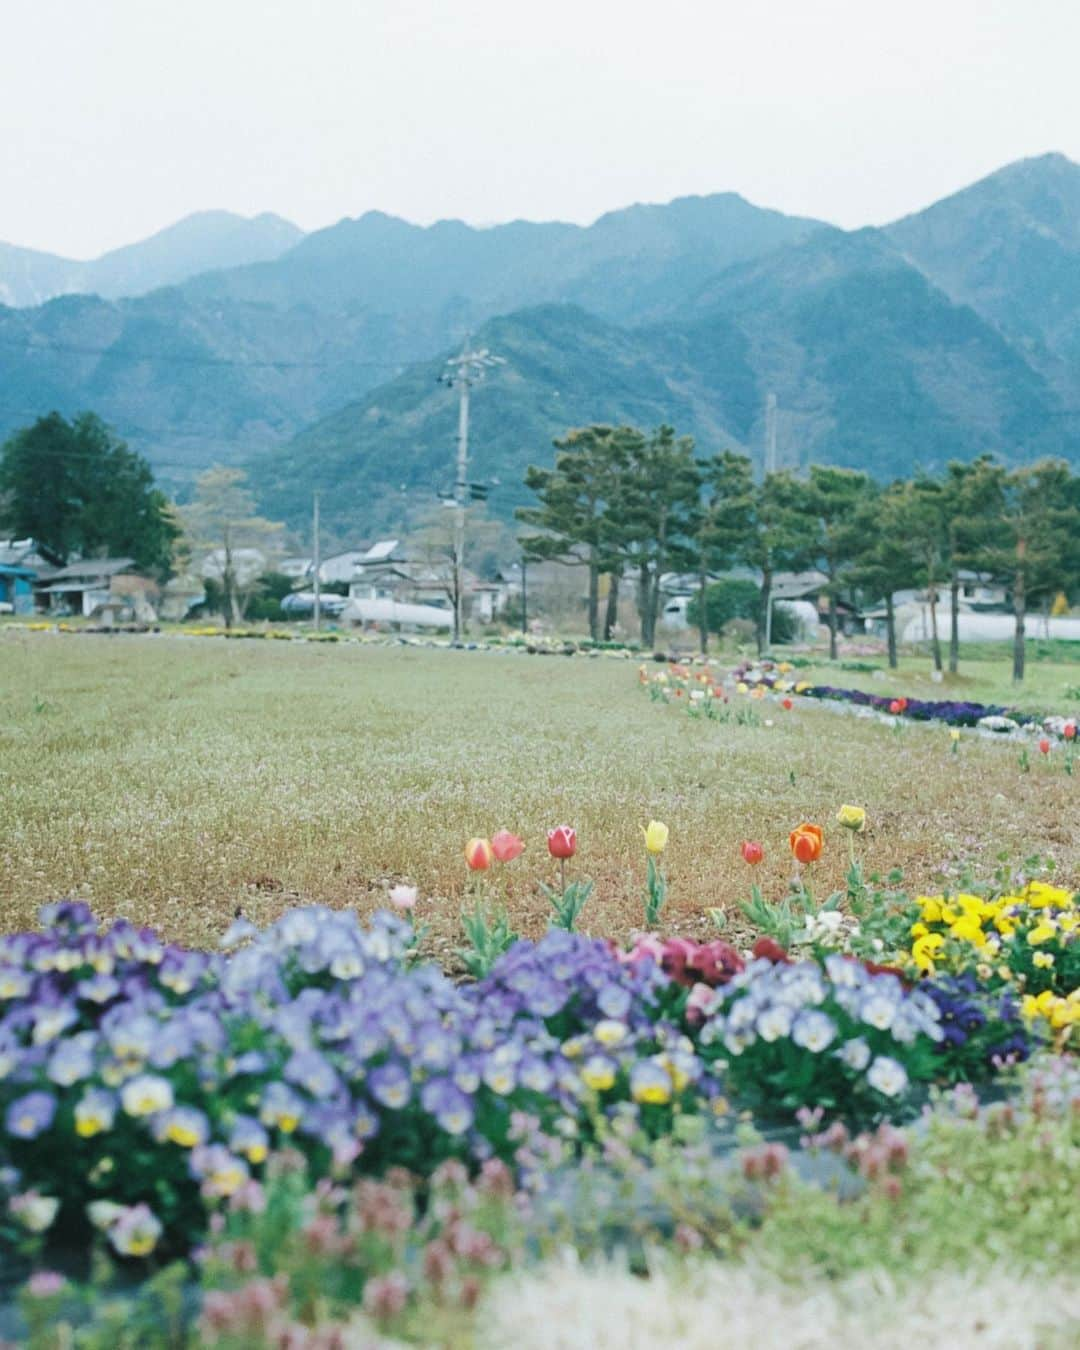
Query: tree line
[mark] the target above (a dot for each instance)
(80, 492)
(622, 503)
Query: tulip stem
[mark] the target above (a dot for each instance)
(562, 875)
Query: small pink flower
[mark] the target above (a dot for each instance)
(700, 1004)
(506, 846)
(45, 1283)
(403, 897)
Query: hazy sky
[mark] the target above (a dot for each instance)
(119, 116)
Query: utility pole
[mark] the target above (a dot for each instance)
(770, 433)
(462, 373)
(316, 561)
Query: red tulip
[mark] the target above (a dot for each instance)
(806, 842)
(1044, 746)
(562, 842)
(752, 852)
(506, 846)
(895, 707)
(478, 855)
(1069, 731)
(786, 704)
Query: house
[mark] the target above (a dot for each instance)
(23, 562)
(979, 595)
(83, 587)
(16, 589)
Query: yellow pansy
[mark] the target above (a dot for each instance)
(931, 907)
(1039, 895)
(968, 929)
(923, 949)
(1042, 932)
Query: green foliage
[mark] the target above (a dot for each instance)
(567, 904)
(655, 894)
(488, 938)
(268, 592)
(738, 598)
(973, 1186)
(79, 491)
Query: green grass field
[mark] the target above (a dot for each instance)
(172, 779)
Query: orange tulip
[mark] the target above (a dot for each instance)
(478, 855)
(506, 846)
(806, 842)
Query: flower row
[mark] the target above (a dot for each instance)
(141, 1083)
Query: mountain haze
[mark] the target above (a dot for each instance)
(198, 243)
(1009, 246)
(951, 332)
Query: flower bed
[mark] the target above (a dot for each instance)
(705, 691)
(141, 1084)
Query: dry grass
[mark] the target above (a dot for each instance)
(171, 779)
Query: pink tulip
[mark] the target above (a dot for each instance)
(403, 897)
(506, 846)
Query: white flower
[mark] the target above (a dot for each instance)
(104, 1213)
(146, 1095)
(887, 1076)
(610, 1032)
(878, 1012)
(774, 1022)
(855, 1054)
(813, 1031)
(35, 1212)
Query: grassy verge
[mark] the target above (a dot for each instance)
(171, 780)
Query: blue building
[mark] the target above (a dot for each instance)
(16, 589)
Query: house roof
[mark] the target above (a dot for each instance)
(91, 569)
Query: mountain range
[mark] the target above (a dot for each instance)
(314, 359)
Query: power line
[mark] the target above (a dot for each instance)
(175, 358)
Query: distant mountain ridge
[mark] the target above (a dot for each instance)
(198, 243)
(950, 332)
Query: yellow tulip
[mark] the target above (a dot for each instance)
(852, 817)
(656, 837)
